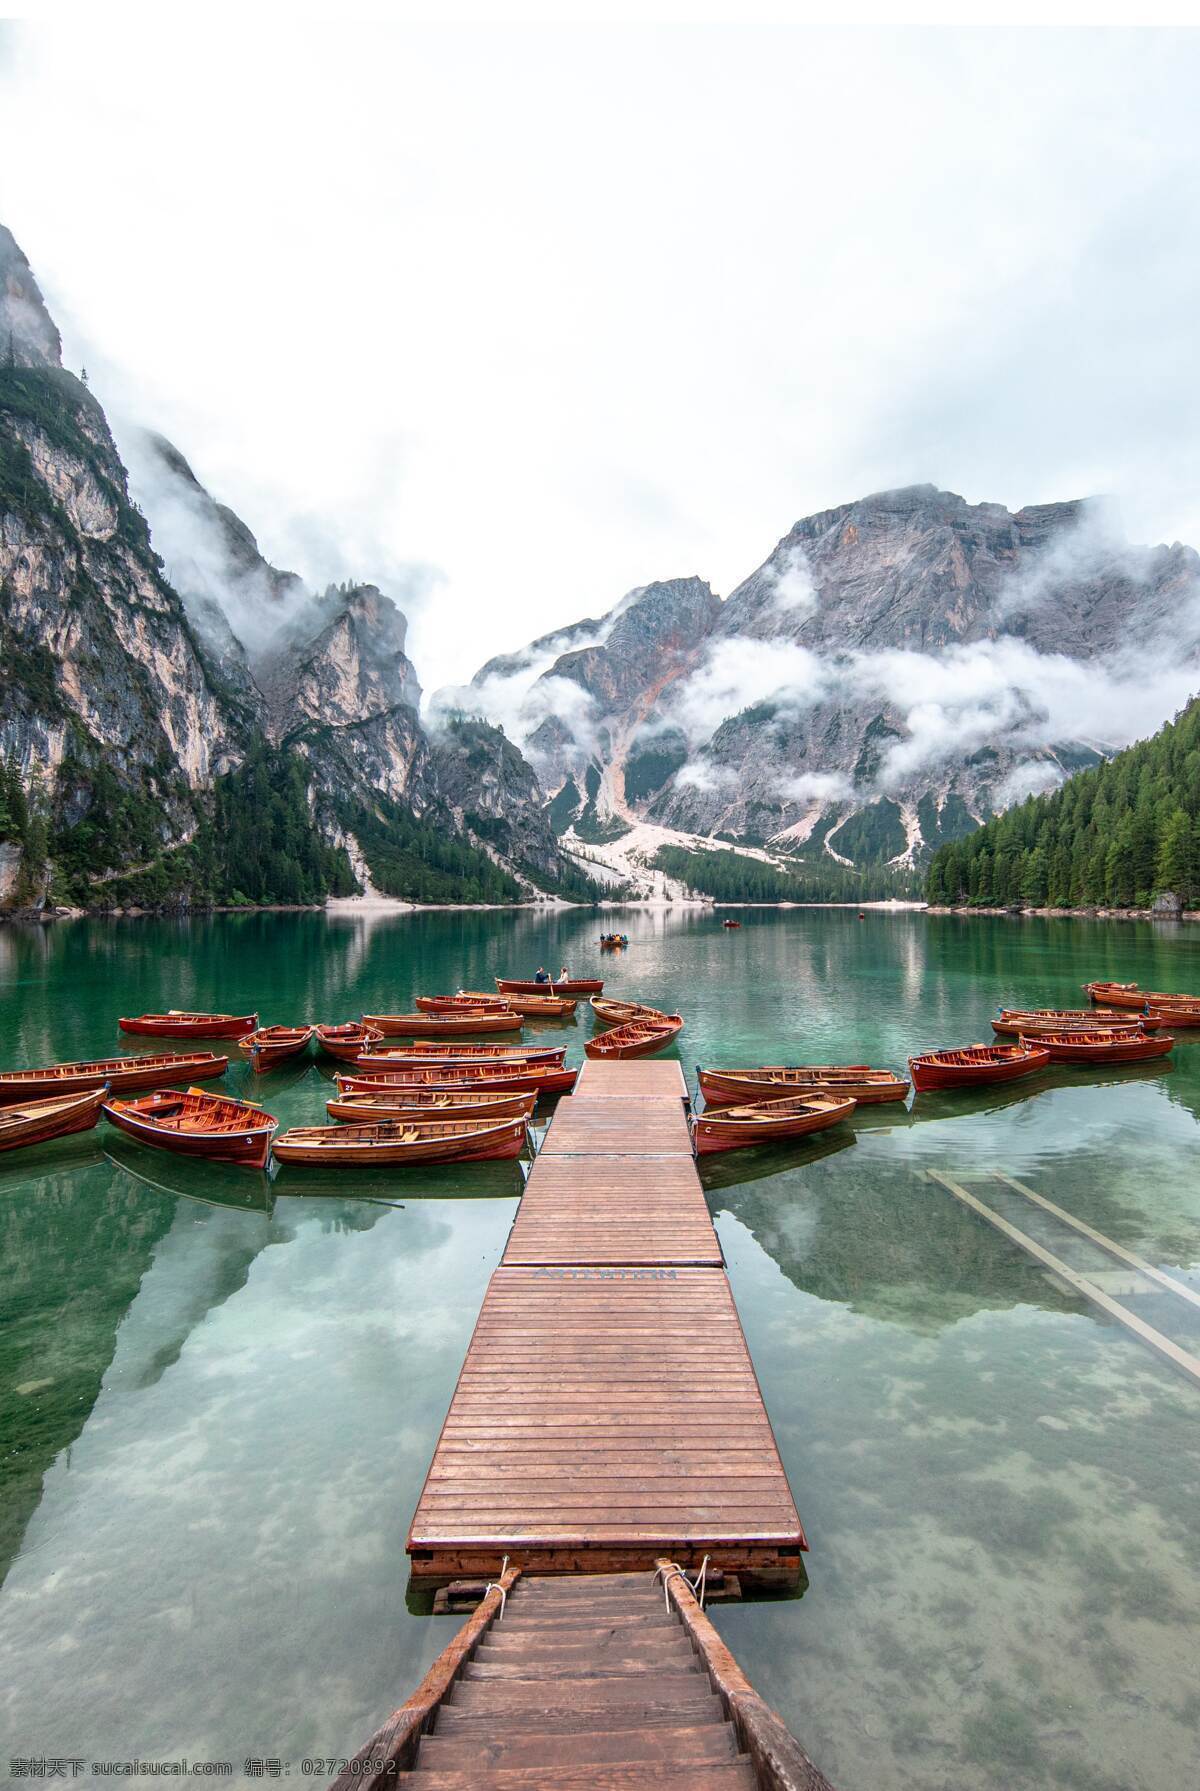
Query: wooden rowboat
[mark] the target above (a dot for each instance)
(118, 1074)
(573, 985)
(1125, 995)
(616, 1013)
(731, 923)
(1011, 1022)
(492, 1078)
(547, 1007)
(857, 1081)
(346, 1041)
(272, 1045)
(450, 1025)
(424, 1051)
(422, 1103)
(763, 1122)
(636, 1038)
(33, 1122)
(425, 1141)
(463, 1004)
(1121, 1045)
(196, 1124)
(1173, 1012)
(178, 1025)
(976, 1065)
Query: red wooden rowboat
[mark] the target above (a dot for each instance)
(548, 1007)
(196, 1124)
(570, 985)
(1116, 994)
(1173, 1012)
(615, 1013)
(423, 1103)
(495, 1078)
(346, 1041)
(425, 1051)
(272, 1045)
(857, 1081)
(459, 1004)
(1011, 1022)
(976, 1065)
(449, 1025)
(731, 923)
(1122, 1045)
(637, 1038)
(118, 1074)
(1129, 995)
(395, 1142)
(763, 1122)
(178, 1025)
(33, 1122)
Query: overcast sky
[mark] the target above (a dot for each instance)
(511, 320)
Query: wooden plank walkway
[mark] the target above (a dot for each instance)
(603, 1684)
(608, 1412)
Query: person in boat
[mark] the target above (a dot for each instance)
(564, 975)
(543, 975)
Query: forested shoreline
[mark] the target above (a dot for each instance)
(1115, 837)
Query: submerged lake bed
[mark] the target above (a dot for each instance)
(221, 1391)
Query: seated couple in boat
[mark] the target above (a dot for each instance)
(543, 976)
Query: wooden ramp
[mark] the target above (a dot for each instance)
(615, 1681)
(608, 1413)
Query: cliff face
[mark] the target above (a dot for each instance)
(106, 683)
(883, 681)
(133, 687)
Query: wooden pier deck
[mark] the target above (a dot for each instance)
(608, 1414)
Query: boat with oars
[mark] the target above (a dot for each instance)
(636, 1038)
(35, 1122)
(273, 1045)
(976, 1066)
(422, 1103)
(404, 1141)
(1120, 1045)
(476, 1020)
(118, 1074)
(616, 1013)
(766, 1122)
(180, 1025)
(432, 1051)
(197, 1124)
(570, 985)
(345, 1041)
(1012, 1022)
(492, 1078)
(464, 1004)
(1174, 1010)
(858, 1081)
(539, 1007)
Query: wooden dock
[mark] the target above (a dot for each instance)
(610, 1683)
(608, 1414)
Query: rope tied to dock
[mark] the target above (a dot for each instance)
(668, 1571)
(497, 1586)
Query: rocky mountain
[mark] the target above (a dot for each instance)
(894, 672)
(180, 720)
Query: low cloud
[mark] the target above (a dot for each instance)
(815, 786)
(712, 780)
(1032, 778)
(790, 581)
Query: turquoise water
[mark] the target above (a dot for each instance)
(219, 1394)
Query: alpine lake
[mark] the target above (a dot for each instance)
(220, 1390)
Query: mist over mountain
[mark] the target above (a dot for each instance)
(895, 671)
(182, 721)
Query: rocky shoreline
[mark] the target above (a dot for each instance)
(1021, 913)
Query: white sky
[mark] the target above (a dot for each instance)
(512, 318)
